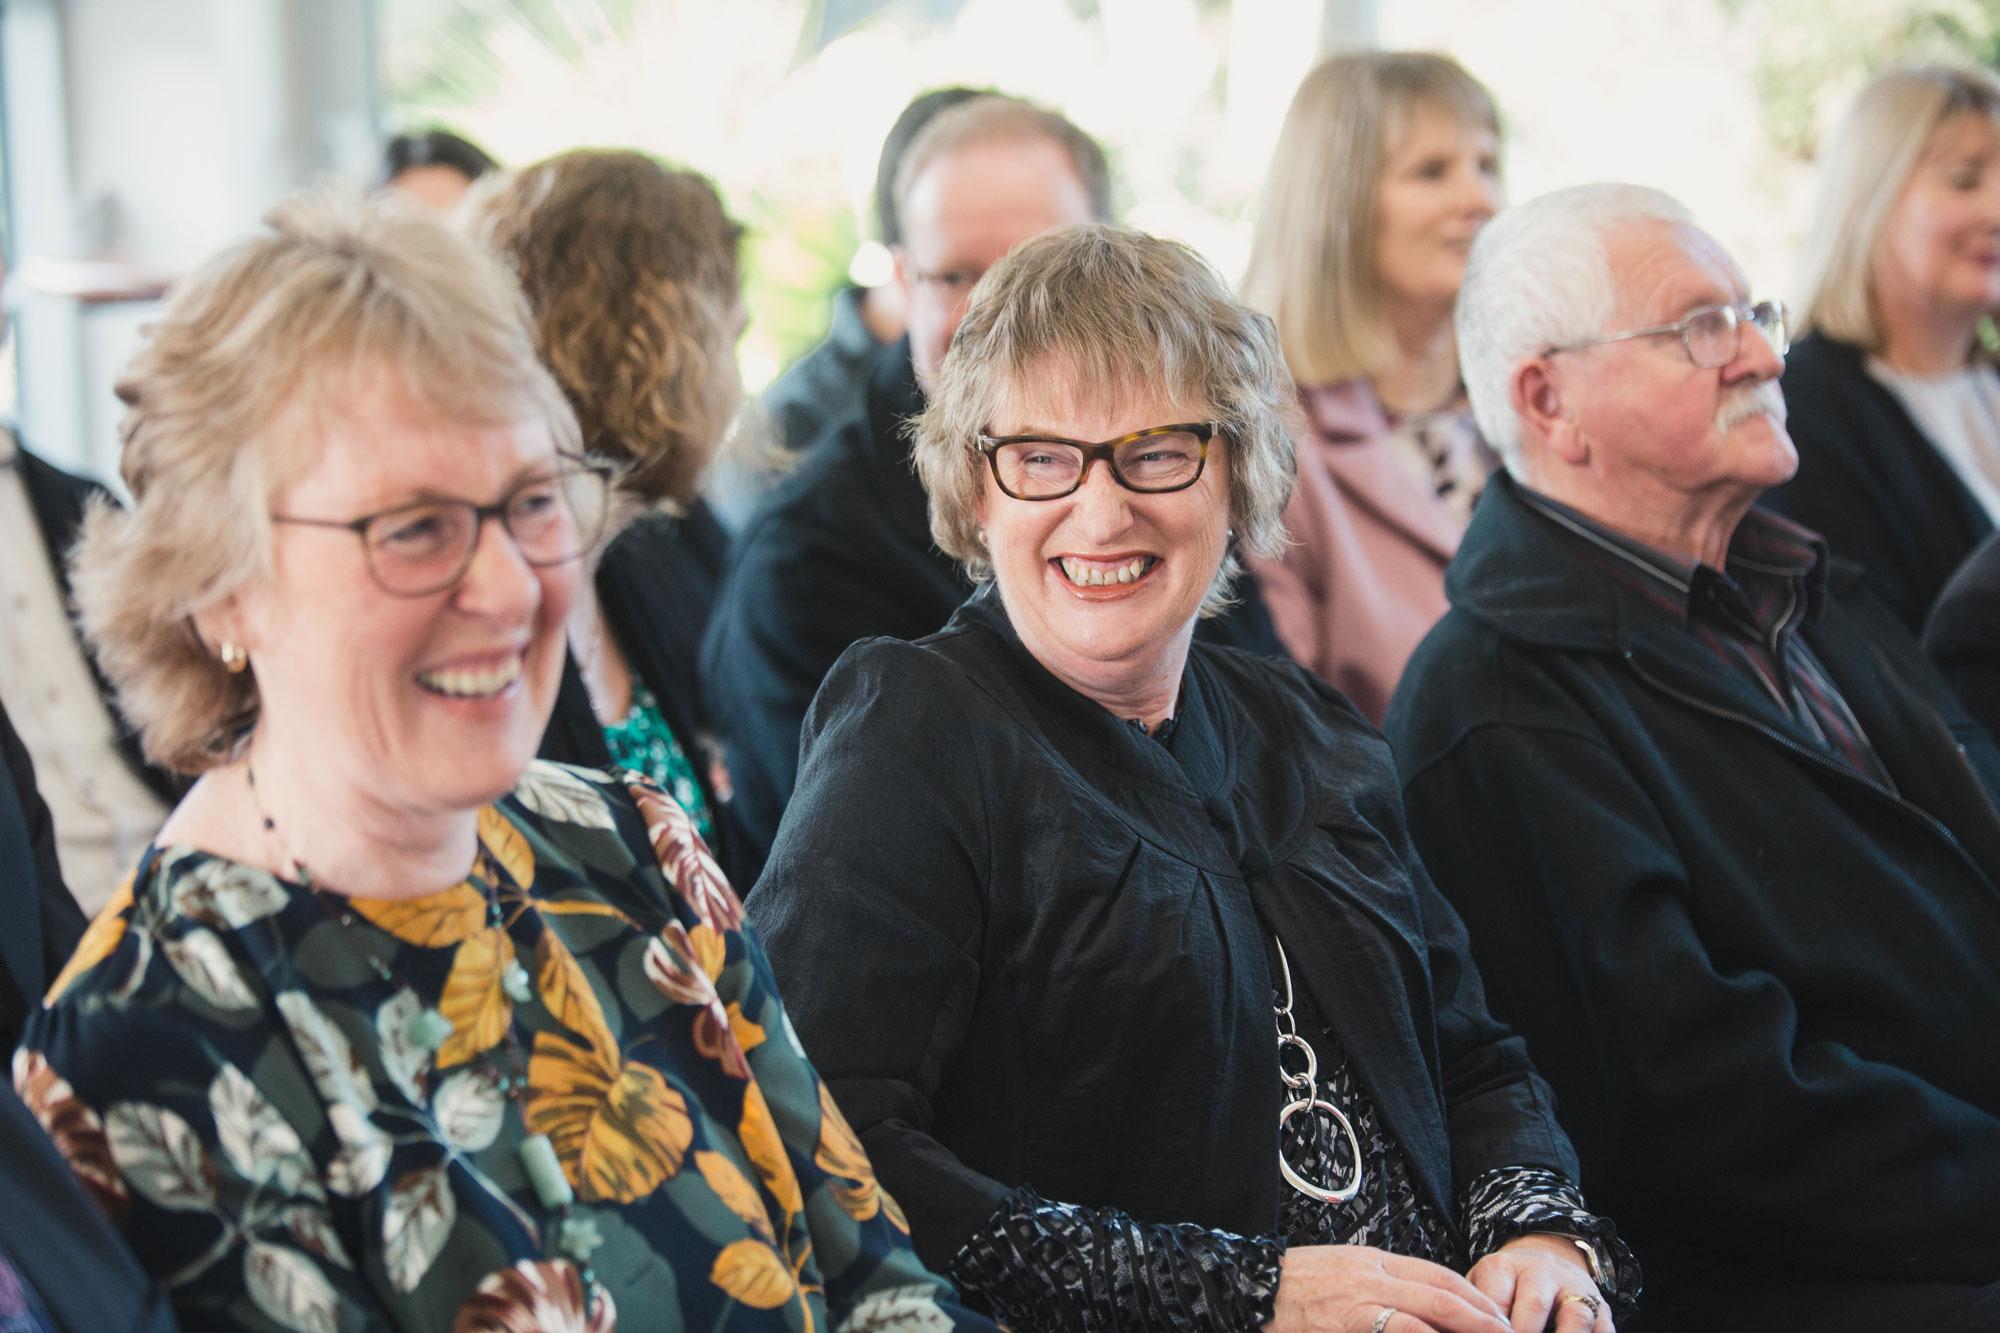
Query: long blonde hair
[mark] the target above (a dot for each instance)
(1312, 258)
(1865, 169)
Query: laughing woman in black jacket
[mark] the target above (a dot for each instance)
(1112, 944)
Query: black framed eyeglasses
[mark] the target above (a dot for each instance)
(418, 549)
(1151, 462)
(1712, 334)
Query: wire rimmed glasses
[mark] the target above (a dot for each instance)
(1156, 461)
(1712, 334)
(425, 547)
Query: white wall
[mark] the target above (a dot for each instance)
(152, 132)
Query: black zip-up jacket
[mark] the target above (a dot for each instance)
(1766, 989)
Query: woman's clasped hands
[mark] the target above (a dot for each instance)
(1525, 1286)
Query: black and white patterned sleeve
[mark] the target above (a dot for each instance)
(1514, 1201)
(1042, 1265)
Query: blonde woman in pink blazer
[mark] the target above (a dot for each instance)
(1385, 171)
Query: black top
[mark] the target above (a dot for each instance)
(1963, 636)
(1871, 482)
(40, 922)
(59, 499)
(656, 585)
(841, 551)
(1763, 985)
(1026, 945)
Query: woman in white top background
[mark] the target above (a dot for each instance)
(1893, 395)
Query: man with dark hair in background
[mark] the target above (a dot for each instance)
(828, 383)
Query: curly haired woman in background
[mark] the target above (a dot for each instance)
(630, 269)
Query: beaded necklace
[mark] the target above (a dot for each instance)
(575, 1237)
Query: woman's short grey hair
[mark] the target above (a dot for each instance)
(1093, 313)
(1867, 164)
(1539, 275)
(339, 301)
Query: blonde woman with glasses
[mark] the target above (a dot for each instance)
(1385, 171)
(1894, 401)
(395, 1026)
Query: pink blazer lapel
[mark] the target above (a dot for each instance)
(1353, 439)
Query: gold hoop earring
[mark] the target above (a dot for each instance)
(234, 659)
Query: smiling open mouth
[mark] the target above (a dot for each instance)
(1103, 576)
(472, 684)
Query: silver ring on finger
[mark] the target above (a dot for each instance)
(1382, 1320)
(1589, 1299)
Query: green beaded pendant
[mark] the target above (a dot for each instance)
(577, 1237)
(545, 1173)
(429, 1030)
(515, 982)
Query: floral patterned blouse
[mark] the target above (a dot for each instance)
(230, 1071)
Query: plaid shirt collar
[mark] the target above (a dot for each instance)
(1769, 556)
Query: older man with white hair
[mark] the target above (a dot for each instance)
(1724, 842)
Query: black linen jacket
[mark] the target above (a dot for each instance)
(1025, 944)
(838, 552)
(1766, 988)
(656, 584)
(1871, 482)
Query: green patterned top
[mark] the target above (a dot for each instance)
(238, 1085)
(644, 743)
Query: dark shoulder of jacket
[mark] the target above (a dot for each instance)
(1264, 681)
(1467, 674)
(58, 498)
(903, 685)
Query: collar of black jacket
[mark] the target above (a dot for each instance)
(1533, 578)
(1136, 772)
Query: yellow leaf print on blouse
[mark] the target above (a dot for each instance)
(474, 999)
(752, 1273)
(504, 843)
(617, 1128)
(735, 1190)
(106, 929)
(434, 921)
(839, 1154)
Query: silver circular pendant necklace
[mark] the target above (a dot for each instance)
(1304, 1089)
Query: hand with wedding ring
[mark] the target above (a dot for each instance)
(1541, 1283)
(1359, 1289)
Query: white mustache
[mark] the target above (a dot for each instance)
(1750, 400)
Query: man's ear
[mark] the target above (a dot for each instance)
(905, 276)
(1535, 392)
